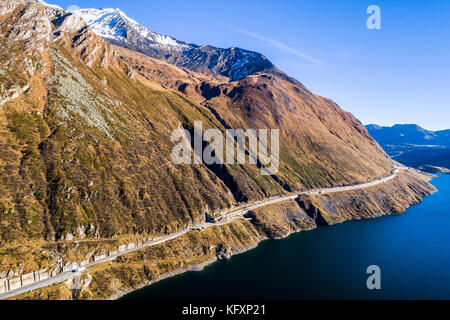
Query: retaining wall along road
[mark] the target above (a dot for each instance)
(11, 284)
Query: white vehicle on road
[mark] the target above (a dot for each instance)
(78, 270)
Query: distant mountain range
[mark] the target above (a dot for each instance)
(414, 146)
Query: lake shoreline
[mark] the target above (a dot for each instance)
(194, 268)
(399, 228)
(194, 251)
(200, 267)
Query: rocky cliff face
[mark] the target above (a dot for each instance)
(233, 63)
(85, 138)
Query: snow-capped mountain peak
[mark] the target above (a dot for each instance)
(116, 26)
(106, 23)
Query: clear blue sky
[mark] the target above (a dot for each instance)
(400, 74)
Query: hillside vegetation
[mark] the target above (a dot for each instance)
(85, 140)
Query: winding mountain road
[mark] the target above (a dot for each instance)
(227, 218)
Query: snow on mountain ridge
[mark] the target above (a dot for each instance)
(113, 24)
(106, 23)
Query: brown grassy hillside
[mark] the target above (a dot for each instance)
(85, 136)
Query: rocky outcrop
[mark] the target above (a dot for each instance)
(233, 63)
(280, 220)
(386, 199)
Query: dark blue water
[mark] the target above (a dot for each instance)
(412, 250)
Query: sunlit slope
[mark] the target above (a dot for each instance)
(85, 135)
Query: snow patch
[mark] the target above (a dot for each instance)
(113, 24)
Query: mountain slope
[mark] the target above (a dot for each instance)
(85, 149)
(415, 146)
(85, 142)
(320, 143)
(95, 150)
(269, 89)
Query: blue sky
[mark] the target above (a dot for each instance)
(399, 74)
